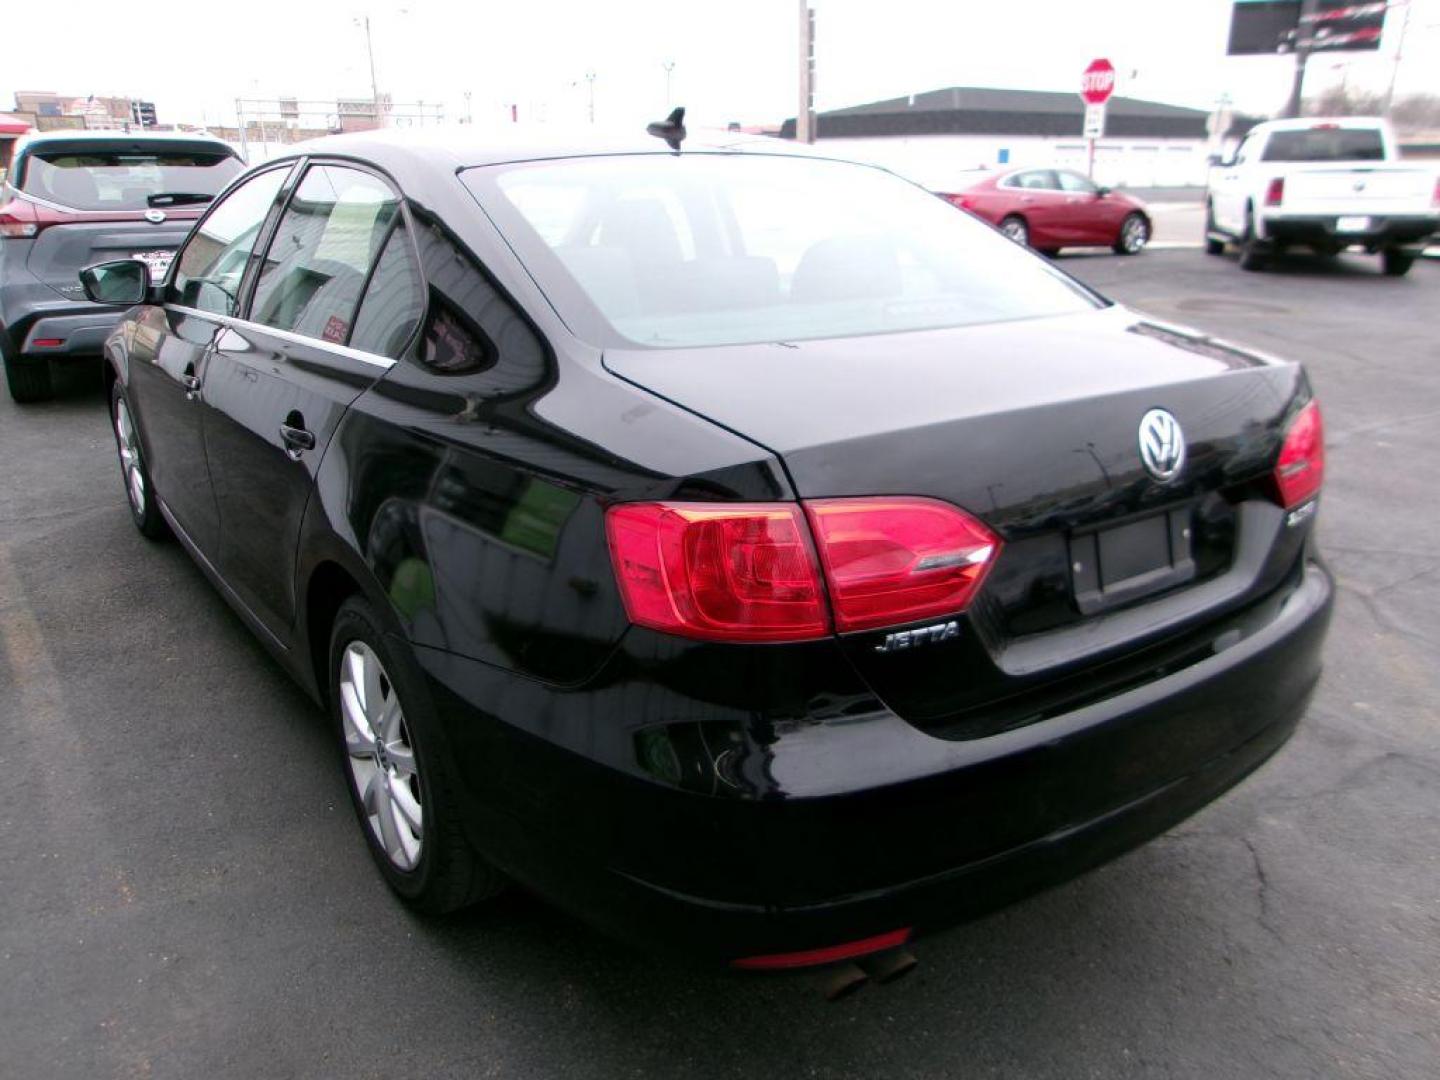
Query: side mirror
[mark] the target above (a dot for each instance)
(124, 281)
(1102, 191)
(1223, 161)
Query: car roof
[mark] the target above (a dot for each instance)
(467, 146)
(81, 134)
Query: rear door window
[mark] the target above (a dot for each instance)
(1326, 144)
(328, 237)
(98, 175)
(394, 300)
(212, 263)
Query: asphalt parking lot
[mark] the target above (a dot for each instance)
(184, 892)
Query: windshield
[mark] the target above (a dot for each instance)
(124, 177)
(1326, 144)
(712, 249)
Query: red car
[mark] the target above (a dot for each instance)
(1050, 209)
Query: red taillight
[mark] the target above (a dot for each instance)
(897, 560)
(1300, 470)
(964, 202)
(21, 219)
(1275, 193)
(1435, 195)
(748, 571)
(828, 955)
(47, 342)
(721, 572)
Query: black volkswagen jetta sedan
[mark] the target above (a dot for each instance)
(743, 549)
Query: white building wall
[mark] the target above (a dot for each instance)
(946, 161)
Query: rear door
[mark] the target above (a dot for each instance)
(166, 379)
(280, 379)
(1044, 207)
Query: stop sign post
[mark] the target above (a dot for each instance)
(1096, 86)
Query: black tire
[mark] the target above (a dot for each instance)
(1213, 246)
(1134, 234)
(1252, 256)
(1049, 253)
(448, 873)
(27, 378)
(1396, 263)
(1015, 227)
(134, 474)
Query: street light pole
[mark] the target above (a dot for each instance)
(669, 66)
(590, 80)
(805, 117)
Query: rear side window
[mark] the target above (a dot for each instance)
(101, 176)
(1326, 144)
(316, 265)
(212, 263)
(393, 300)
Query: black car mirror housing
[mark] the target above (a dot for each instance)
(124, 281)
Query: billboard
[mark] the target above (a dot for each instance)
(1272, 26)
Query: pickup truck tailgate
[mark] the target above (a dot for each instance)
(1358, 189)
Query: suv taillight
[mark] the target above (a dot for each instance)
(1275, 193)
(1300, 469)
(21, 219)
(750, 572)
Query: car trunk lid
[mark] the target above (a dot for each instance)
(1032, 427)
(64, 248)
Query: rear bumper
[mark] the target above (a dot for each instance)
(899, 838)
(32, 314)
(1322, 230)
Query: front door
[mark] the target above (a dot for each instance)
(280, 379)
(167, 392)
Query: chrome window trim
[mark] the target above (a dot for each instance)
(373, 359)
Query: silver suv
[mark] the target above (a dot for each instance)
(74, 198)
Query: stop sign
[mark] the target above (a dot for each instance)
(1098, 82)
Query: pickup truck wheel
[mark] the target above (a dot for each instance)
(1213, 246)
(1252, 257)
(1396, 263)
(28, 379)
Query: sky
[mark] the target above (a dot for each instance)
(732, 60)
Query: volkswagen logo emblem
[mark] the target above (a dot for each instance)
(155, 217)
(1162, 445)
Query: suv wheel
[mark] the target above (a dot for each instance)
(28, 378)
(397, 770)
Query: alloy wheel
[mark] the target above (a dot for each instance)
(1135, 235)
(1015, 229)
(380, 755)
(130, 457)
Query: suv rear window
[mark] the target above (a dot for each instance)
(1326, 144)
(727, 249)
(101, 176)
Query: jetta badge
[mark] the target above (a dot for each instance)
(1162, 445)
(925, 635)
(155, 217)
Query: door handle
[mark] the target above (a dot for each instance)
(297, 440)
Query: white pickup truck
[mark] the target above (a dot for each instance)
(1325, 184)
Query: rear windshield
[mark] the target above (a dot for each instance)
(720, 249)
(1326, 144)
(100, 177)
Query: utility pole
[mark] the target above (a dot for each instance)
(1304, 36)
(1395, 67)
(590, 81)
(805, 117)
(669, 66)
(374, 85)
